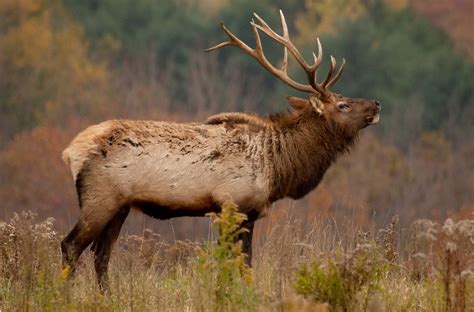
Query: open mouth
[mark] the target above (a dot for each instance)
(373, 119)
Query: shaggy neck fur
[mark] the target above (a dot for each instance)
(300, 148)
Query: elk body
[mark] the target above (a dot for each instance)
(168, 170)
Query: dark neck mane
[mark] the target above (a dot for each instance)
(300, 147)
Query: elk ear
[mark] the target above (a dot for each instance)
(298, 103)
(317, 104)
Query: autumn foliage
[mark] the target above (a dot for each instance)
(50, 75)
(390, 227)
(65, 65)
(455, 17)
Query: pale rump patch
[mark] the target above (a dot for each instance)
(84, 145)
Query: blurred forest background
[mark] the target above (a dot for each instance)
(67, 64)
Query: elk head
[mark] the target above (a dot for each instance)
(348, 114)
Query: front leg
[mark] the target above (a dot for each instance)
(246, 239)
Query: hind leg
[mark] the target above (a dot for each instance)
(95, 215)
(72, 247)
(103, 245)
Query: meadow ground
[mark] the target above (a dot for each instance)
(327, 267)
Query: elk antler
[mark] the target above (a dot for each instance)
(282, 73)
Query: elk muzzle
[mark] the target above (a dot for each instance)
(372, 120)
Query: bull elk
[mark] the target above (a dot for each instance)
(169, 170)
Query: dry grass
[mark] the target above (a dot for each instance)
(321, 269)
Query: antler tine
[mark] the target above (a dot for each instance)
(234, 41)
(317, 59)
(310, 70)
(286, 35)
(280, 73)
(338, 74)
(217, 46)
(329, 75)
(286, 42)
(258, 42)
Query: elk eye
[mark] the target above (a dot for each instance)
(343, 106)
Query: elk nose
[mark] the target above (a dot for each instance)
(378, 106)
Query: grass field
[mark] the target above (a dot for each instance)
(427, 267)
